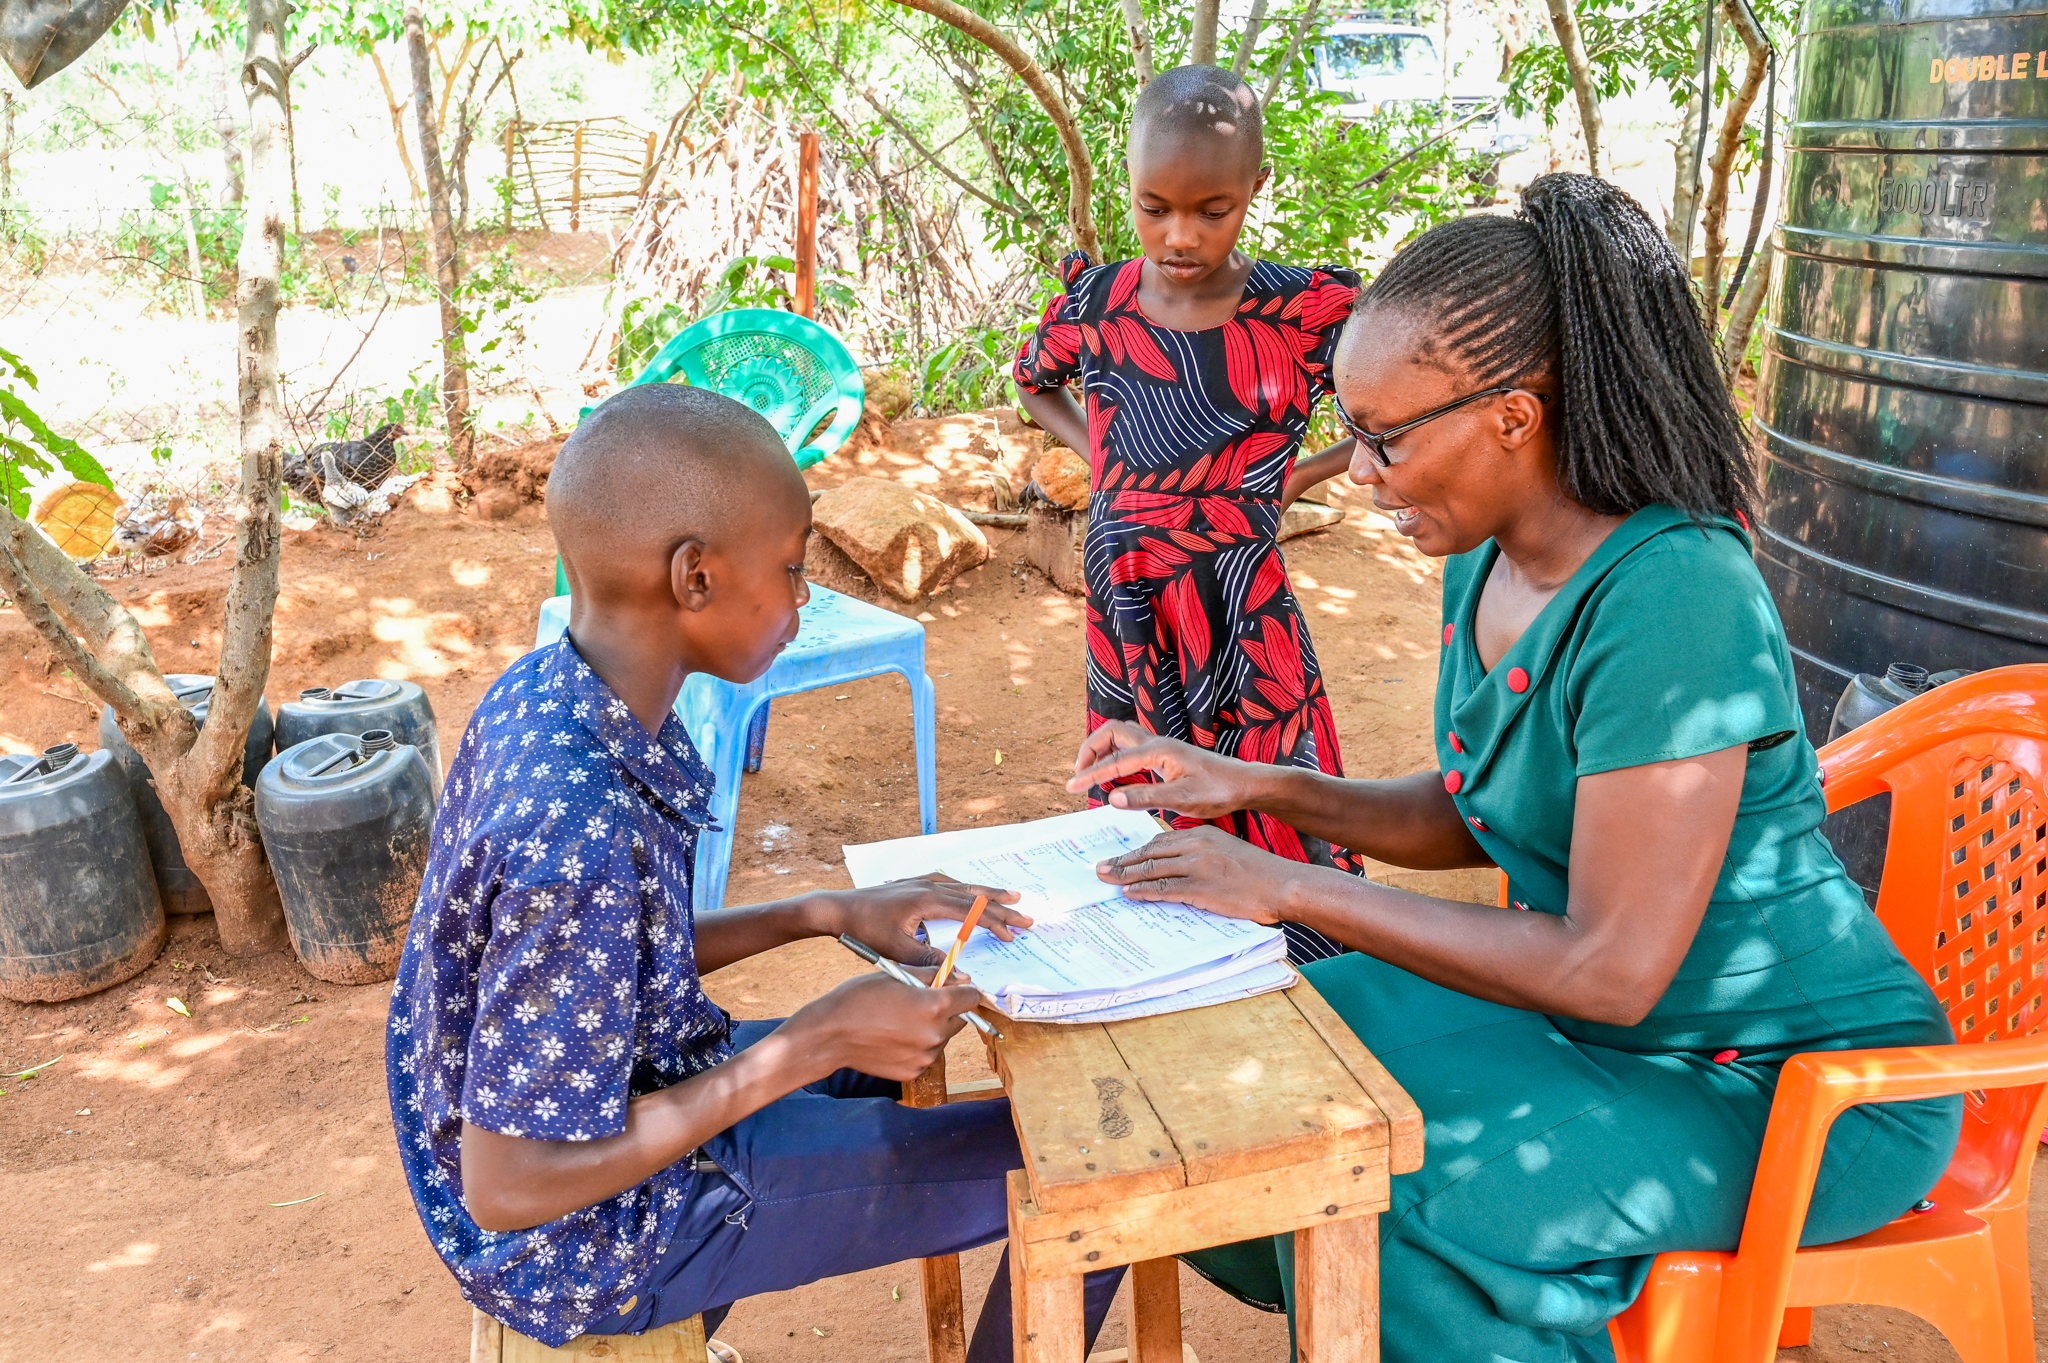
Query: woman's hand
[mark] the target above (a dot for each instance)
(1192, 781)
(1207, 868)
(886, 917)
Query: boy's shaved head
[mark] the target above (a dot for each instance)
(1206, 101)
(659, 464)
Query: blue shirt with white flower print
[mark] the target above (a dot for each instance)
(549, 976)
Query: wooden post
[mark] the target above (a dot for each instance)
(807, 226)
(945, 1313)
(511, 188)
(576, 183)
(1337, 1291)
(1155, 1311)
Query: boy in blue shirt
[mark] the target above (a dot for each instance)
(593, 1145)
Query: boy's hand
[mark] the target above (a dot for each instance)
(877, 1026)
(886, 917)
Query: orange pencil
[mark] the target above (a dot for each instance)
(966, 926)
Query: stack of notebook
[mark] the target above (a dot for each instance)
(1092, 955)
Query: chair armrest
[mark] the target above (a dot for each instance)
(1813, 1090)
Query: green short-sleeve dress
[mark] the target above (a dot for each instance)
(1561, 1155)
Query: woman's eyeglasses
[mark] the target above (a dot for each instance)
(1375, 442)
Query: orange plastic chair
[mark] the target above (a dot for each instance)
(1965, 896)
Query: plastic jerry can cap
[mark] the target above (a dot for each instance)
(58, 756)
(379, 740)
(316, 693)
(1907, 677)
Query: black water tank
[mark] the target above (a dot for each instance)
(179, 888)
(346, 821)
(359, 706)
(78, 904)
(1904, 393)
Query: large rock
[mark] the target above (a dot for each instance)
(911, 544)
(1062, 476)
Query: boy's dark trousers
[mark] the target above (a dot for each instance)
(836, 1178)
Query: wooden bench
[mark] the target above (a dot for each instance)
(682, 1342)
(1150, 1138)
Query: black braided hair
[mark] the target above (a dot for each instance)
(1580, 296)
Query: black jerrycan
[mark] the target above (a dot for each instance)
(359, 706)
(1859, 832)
(179, 888)
(78, 902)
(346, 820)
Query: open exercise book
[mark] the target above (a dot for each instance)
(1092, 955)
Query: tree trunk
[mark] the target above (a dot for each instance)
(8, 105)
(1202, 41)
(1749, 300)
(195, 281)
(447, 252)
(1080, 166)
(1722, 165)
(1141, 41)
(215, 814)
(1685, 181)
(1566, 24)
(228, 130)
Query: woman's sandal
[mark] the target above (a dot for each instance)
(722, 1352)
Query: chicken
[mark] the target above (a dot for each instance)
(365, 463)
(156, 527)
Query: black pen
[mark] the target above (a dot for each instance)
(902, 976)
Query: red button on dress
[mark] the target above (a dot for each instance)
(1456, 744)
(1723, 1057)
(1447, 632)
(1477, 823)
(1453, 780)
(1518, 680)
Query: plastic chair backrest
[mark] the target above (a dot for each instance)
(1965, 890)
(788, 368)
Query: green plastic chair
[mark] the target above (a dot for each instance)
(788, 368)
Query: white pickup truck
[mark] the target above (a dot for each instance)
(1374, 62)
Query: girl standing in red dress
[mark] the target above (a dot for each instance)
(1199, 367)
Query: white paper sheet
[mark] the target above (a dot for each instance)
(1264, 979)
(878, 863)
(1092, 955)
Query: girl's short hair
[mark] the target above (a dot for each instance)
(1580, 295)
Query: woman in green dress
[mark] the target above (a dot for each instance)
(1616, 728)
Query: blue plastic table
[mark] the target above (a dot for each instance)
(838, 640)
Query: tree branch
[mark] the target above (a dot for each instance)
(1141, 40)
(931, 158)
(1566, 24)
(1080, 167)
(1249, 39)
(1202, 41)
(1295, 39)
(62, 641)
(1722, 167)
(100, 623)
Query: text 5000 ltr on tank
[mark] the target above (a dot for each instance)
(1904, 394)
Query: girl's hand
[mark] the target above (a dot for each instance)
(1207, 868)
(1192, 781)
(886, 917)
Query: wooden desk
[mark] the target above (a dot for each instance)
(1149, 1138)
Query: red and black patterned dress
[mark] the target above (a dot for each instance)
(1193, 629)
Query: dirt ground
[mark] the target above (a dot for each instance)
(224, 1186)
